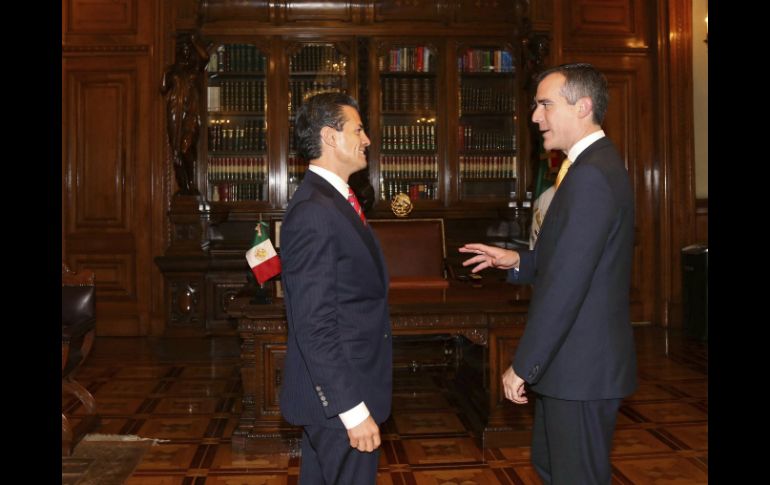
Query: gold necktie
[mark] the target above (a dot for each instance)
(562, 171)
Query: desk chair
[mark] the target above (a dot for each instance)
(78, 328)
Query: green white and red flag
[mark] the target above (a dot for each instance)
(262, 258)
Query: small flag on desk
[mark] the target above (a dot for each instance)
(262, 258)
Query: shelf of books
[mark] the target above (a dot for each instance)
(486, 129)
(236, 169)
(408, 122)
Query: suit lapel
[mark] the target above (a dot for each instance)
(347, 211)
(584, 155)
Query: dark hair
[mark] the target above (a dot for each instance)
(581, 80)
(321, 110)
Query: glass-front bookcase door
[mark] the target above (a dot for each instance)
(237, 142)
(408, 121)
(314, 67)
(486, 129)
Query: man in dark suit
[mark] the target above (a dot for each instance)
(577, 352)
(337, 380)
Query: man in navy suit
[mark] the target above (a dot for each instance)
(337, 381)
(577, 352)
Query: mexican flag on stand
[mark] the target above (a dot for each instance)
(262, 258)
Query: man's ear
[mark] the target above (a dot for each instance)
(585, 107)
(329, 136)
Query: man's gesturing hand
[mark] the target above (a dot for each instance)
(489, 257)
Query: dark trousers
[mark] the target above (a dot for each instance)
(571, 440)
(328, 459)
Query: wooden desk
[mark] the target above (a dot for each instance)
(491, 315)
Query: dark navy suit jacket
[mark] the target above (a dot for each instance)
(336, 293)
(578, 341)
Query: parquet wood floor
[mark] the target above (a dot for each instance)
(187, 391)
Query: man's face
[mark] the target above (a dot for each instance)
(557, 119)
(352, 142)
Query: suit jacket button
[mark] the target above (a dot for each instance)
(318, 388)
(325, 403)
(386, 335)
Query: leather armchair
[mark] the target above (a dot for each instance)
(78, 330)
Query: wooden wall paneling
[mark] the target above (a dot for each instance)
(629, 124)
(621, 24)
(675, 170)
(107, 22)
(106, 191)
(541, 14)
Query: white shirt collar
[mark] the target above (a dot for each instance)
(584, 143)
(332, 178)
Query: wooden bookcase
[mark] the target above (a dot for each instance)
(441, 89)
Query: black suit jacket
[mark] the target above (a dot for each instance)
(578, 342)
(339, 350)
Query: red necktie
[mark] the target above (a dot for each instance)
(356, 206)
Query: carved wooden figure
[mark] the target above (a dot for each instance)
(182, 84)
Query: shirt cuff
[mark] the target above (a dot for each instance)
(355, 416)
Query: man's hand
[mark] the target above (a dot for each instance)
(366, 436)
(490, 257)
(513, 387)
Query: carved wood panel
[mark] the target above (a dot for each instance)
(274, 355)
(185, 297)
(253, 10)
(115, 275)
(410, 10)
(108, 23)
(221, 290)
(605, 23)
(106, 181)
(102, 17)
(98, 163)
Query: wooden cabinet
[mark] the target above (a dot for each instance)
(441, 111)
